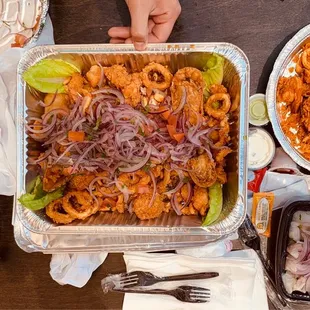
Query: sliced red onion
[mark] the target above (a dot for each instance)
(82, 156)
(304, 251)
(77, 124)
(115, 92)
(122, 188)
(180, 184)
(44, 130)
(154, 188)
(139, 165)
(190, 194)
(54, 112)
(101, 75)
(182, 101)
(159, 111)
(42, 104)
(130, 207)
(175, 205)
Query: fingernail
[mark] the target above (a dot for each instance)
(140, 46)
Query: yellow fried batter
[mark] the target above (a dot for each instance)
(144, 211)
(60, 101)
(94, 75)
(132, 92)
(200, 200)
(305, 113)
(55, 177)
(75, 86)
(202, 170)
(290, 90)
(118, 76)
(218, 105)
(221, 174)
(129, 84)
(79, 204)
(81, 181)
(156, 76)
(220, 156)
(190, 81)
(55, 211)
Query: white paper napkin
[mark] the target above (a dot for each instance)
(8, 66)
(240, 285)
(75, 269)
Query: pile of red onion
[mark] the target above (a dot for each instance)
(118, 138)
(297, 276)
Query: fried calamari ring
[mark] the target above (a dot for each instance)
(156, 76)
(305, 58)
(202, 170)
(79, 204)
(55, 211)
(225, 103)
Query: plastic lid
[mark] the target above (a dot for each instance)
(261, 149)
(258, 110)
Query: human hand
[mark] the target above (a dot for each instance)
(151, 22)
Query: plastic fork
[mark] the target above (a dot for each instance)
(192, 294)
(140, 278)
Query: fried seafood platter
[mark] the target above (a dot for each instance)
(293, 102)
(146, 143)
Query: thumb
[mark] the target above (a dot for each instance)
(139, 12)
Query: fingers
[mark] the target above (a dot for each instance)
(117, 40)
(119, 32)
(139, 12)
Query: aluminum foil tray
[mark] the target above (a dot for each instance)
(125, 231)
(25, 18)
(281, 68)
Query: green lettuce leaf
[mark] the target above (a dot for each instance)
(48, 75)
(215, 204)
(213, 72)
(38, 199)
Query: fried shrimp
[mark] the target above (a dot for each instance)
(191, 75)
(81, 181)
(94, 75)
(60, 101)
(218, 105)
(55, 211)
(221, 174)
(75, 86)
(132, 92)
(129, 84)
(79, 204)
(144, 211)
(290, 90)
(305, 58)
(118, 76)
(221, 136)
(156, 76)
(55, 177)
(305, 114)
(187, 93)
(200, 200)
(220, 156)
(202, 170)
